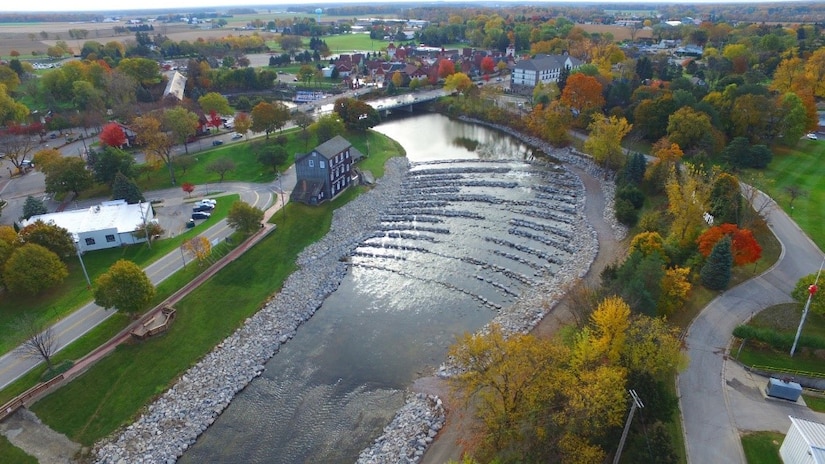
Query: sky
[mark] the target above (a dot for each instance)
(109, 5)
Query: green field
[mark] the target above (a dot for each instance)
(14, 455)
(800, 167)
(762, 447)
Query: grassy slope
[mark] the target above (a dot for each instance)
(112, 392)
(14, 455)
(762, 447)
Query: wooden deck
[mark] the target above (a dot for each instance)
(157, 324)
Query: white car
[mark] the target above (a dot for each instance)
(236, 136)
(207, 202)
(811, 136)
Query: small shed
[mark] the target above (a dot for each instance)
(784, 389)
(804, 443)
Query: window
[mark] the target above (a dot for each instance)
(331, 176)
(110, 238)
(90, 241)
(312, 163)
(321, 165)
(346, 154)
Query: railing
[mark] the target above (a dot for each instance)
(32, 393)
(791, 372)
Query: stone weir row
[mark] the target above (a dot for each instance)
(173, 422)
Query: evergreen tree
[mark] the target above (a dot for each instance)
(33, 207)
(634, 169)
(715, 274)
(125, 188)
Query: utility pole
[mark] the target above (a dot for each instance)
(811, 292)
(637, 403)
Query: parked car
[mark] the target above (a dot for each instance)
(201, 208)
(215, 143)
(811, 136)
(190, 223)
(236, 136)
(208, 201)
(200, 215)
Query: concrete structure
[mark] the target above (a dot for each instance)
(804, 443)
(107, 225)
(542, 68)
(324, 172)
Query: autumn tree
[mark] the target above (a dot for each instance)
(16, 142)
(488, 65)
(242, 123)
(54, 238)
(726, 200)
(675, 290)
(605, 140)
(551, 122)
(112, 135)
(744, 247)
(220, 167)
(459, 82)
(715, 274)
(10, 109)
(647, 243)
(445, 68)
(244, 218)
(156, 142)
(357, 115)
(124, 286)
(32, 269)
(213, 101)
(397, 79)
(688, 128)
(182, 123)
(199, 247)
(188, 187)
(688, 194)
(45, 159)
(268, 117)
(582, 93)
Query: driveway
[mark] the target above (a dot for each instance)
(718, 398)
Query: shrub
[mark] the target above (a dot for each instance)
(626, 213)
(777, 340)
(632, 194)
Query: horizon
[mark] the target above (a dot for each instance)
(102, 6)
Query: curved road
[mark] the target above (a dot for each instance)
(718, 398)
(73, 326)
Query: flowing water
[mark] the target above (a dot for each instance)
(475, 225)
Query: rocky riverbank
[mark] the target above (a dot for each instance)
(173, 422)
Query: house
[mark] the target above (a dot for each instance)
(325, 171)
(107, 225)
(804, 443)
(541, 68)
(175, 86)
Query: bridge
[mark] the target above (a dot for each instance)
(406, 102)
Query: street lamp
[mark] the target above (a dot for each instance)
(811, 292)
(145, 225)
(82, 264)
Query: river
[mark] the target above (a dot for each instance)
(477, 223)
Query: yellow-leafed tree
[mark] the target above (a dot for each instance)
(199, 247)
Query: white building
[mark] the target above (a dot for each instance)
(542, 68)
(175, 86)
(804, 443)
(107, 225)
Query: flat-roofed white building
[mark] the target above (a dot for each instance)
(107, 225)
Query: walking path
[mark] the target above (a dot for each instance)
(75, 325)
(718, 398)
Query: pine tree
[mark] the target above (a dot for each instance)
(124, 188)
(715, 274)
(33, 207)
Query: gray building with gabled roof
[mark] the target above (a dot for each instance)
(541, 68)
(325, 171)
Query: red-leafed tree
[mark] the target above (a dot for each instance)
(744, 246)
(487, 64)
(112, 135)
(582, 93)
(445, 68)
(188, 187)
(215, 119)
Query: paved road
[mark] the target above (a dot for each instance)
(68, 329)
(715, 405)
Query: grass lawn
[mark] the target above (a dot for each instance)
(799, 167)
(73, 292)
(762, 447)
(112, 393)
(816, 403)
(14, 455)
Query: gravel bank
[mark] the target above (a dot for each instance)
(174, 421)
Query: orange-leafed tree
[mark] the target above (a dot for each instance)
(188, 187)
(582, 93)
(744, 246)
(200, 247)
(112, 135)
(445, 68)
(487, 64)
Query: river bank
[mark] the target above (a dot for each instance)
(174, 421)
